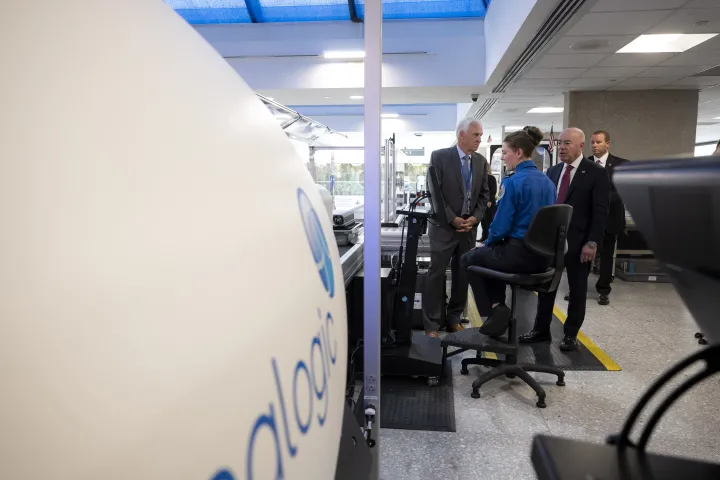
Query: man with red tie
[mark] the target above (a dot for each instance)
(585, 186)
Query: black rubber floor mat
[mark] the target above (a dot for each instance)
(410, 404)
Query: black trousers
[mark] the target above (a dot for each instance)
(486, 221)
(512, 257)
(577, 275)
(606, 253)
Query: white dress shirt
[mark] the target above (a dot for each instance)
(576, 165)
(603, 159)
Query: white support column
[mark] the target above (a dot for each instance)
(373, 132)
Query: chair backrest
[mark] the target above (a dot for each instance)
(547, 236)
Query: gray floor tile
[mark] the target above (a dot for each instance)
(645, 329)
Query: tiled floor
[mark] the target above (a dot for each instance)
(645, 329)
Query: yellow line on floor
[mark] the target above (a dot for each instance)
(476, 321)
(603, 357)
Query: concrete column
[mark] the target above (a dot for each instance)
(642, 124)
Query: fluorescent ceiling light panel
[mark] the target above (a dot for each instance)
(390, 115)
(344, 55)
(546, 110)
(513, 127)
(356, 97)
(666, 43)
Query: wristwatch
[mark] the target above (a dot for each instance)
(591, 244)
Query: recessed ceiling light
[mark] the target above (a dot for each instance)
(716, 118)
(546, 110)
(326, 98)
(344, 55)
(666, 43)
(389, 115)
(356, 97)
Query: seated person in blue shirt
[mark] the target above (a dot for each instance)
(522, 194)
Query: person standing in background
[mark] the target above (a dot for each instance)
(491, 208)
(717, 150)
(600, 143)
(463, 177)
(585, 186)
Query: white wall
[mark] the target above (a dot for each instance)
(502, 23)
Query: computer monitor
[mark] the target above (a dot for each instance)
(436, 198)
(676, 206)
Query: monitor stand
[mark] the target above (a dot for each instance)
(409, 353)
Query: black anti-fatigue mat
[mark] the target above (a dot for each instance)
(410, 404)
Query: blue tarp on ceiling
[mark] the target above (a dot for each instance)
(204, 12)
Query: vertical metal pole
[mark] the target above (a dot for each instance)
(386, 186)
(373, 105)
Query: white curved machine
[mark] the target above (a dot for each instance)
(131, 290)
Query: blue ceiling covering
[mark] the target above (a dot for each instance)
(204, 12)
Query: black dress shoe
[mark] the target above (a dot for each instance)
(567, 297)
(534, 336)
(603, 300)
(569, 344)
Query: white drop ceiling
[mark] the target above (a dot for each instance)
(607, 27)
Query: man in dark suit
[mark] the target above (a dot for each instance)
(616, 215)
(585, 186)
(462, 174)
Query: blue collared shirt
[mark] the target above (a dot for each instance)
(521, 196)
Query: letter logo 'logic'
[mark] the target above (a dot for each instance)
(317, 241)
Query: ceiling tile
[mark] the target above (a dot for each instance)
(608, 44)
(635, 59)
(698, 81)
(625, 5)
(672, 71)
(692, 58)
(591, 83)
(545, 73)
(684, 21)
(579, 60)
(702, 4)
(710, 94)
(646, 82)
(618, 23)
(541, 83)
(526, 90)
(612, 72)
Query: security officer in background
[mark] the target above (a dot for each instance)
(521, 196)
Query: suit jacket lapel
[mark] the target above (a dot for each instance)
(555, 173)
(578, 178)
(455, 167)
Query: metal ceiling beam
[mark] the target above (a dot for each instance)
(254, 10)
(353, 12)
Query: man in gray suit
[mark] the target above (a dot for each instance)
(464, 186)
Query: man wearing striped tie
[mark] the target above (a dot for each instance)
(585, 186)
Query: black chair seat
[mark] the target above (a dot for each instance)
(472, 339)
(522, 279)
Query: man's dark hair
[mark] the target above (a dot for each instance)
(603, 133)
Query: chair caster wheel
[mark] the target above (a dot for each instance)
(702, 341)
(464, 371)
(371, 443)
(541, 403)
(560, 383)
(699, 335)
(475, 394)
(433, 381)
(509, 375)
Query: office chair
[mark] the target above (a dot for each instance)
(546, 236)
